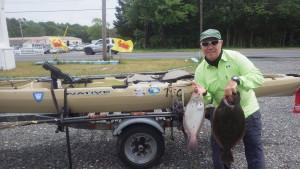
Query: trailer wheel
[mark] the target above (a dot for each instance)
(140, 146)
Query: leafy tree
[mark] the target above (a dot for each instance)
(175, 23)
(288, 13)
(78, 31)
(151, 22)
(121, 24)
(31, 29)
(51, 29)
(13, 27)
(95, 31)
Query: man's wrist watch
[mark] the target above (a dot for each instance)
(236, 79)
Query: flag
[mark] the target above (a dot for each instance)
(122, 46)
(56, 42)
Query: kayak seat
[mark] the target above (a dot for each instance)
(170, 76)
(125, 85)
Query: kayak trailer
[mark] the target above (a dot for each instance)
(140, 142)
(137, 110)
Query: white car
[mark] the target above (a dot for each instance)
(97, 47)
(71, 47)
(55, 49)
(79, 47)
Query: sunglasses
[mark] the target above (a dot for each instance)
(214, 42)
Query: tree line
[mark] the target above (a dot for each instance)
(176, 23)
(22, 27)
(242, 23)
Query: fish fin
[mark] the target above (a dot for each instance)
(227, 157)
(193, 142)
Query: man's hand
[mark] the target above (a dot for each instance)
(200, 88)
(230, 88)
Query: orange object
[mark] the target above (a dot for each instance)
(297, 102)
(138, 113)
(97, 116)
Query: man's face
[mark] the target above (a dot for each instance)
(212, 49)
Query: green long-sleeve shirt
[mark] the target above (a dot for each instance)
(215, 79)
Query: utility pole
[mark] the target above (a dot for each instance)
(21, 31)
(200, 23)
(201, 16)
(104, 30)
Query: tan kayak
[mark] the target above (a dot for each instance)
(36, 98)
(278, 85)
(21, 96)
(27, 96)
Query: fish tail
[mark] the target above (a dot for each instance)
(193, 142)
(227, 157)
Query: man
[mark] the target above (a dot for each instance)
(222, 73)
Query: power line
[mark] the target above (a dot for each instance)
(43, 1)
(247, 3)
(58, 11)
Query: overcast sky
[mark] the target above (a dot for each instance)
(60, 11)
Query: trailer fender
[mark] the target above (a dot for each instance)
(128, 122)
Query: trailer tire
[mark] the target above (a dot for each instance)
(140, 146)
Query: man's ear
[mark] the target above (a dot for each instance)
(221, 41)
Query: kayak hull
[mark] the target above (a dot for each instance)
(277, 85)
(36, 97)
(141, 97)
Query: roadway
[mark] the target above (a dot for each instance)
(269, 54)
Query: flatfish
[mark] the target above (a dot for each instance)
(228, 126)
(193, 117)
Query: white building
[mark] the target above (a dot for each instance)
(30, 42)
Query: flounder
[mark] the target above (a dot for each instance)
(228, 126)
(193, 117)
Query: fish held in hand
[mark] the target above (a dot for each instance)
(193, 117)
(228, 126)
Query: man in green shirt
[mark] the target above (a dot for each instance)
(222, 73)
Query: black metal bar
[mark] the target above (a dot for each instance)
(111, 117)
(65, 113)
(69, 147)
(84, 119)
(26, 117)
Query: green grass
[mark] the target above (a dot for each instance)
(28, 69)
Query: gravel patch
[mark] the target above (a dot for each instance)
(38, 146)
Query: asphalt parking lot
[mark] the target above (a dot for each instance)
(38, 146)
(265, 54)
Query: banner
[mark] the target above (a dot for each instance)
(122, 46)
(56, 42)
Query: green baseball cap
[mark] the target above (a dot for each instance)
(210, 33)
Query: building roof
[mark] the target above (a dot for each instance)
(19, 41)
(44, 37)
